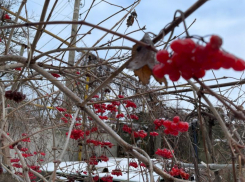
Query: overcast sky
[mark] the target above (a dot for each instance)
(222, 17)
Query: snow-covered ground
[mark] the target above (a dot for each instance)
(138, 174)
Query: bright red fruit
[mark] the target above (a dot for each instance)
(6, 16)
(159, 71)
(174, 126)
(239, 65)
(228, 60)
(133, 164)
(164, 153)
(215, 42)
(174, 76)
(200, 73)
(55, 75)
(166, 131)
(167, 123)
(162, 56)
(116, 172)
(154, 133)
(176, 119)
(183, 45)
(183, 126)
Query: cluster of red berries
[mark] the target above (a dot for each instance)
(17, 69)
(130, 104)
(76, 134)
(142, 134)
(127, 129)
(116, 172)
(14, 160)
(17, 165)
(24, 149)
(107, 178)
(111, 107)
(192, 60)
(165, 153)
(172, 127)
(154, 133)
(16, 96)
(55, 75)
(7, 17)
(102, 144)
(61, 109)
(133, 164)
(27, 155)
(103, 117)
(120, 96)
(121, 115)
(96, 178)
(142, 164)
(133, 116)
(175, 171)
(103, 158)
(93, 160)
(115, 103)
(175, 126)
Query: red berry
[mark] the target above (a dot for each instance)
(176, 119)
(166, 131)
(162, 56)
(174, 76)
(6, 16)
(185, 45)
(158, 70)
(174, 132)
(239, 65)
(186, 74)
(228, 60)
(167, 123)
(174, 126)
(215, 42)
(200, 74)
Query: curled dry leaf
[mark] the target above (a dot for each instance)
(143, 61)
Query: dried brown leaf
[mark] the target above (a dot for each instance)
(142, 56)
(161, 80)
(144, 74)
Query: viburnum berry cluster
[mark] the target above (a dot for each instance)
(76, 134)
(133, 164)
(172, 127)
(154, 133)
(175, 126)
(7, 17)
(165, 153)
(117, 172)
(192, 60)
(61, 109)
(121, 115)
(130, 104)
(141, 133)
(17, 69)
(55, 75)
(127, 129)
(16, 96)
(107, 178)
(99, 143)
(175, 171)
(93, 160)
(133, 116)
(103, 158)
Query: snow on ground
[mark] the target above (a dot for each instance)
(78, 167)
